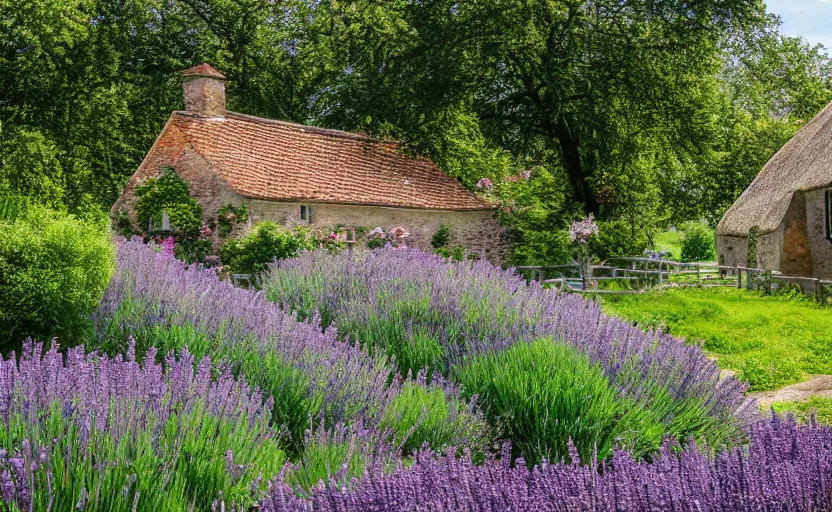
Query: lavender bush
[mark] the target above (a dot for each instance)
(82, 431)
(785, 467)
(163, 303)
(428, 312)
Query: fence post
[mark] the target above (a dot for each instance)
(816, 291)
(739, 277)
(661, 277)
(698, 275)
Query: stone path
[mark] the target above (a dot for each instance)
(819, 385)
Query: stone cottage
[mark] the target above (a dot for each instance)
(791, 205)
(302, 175)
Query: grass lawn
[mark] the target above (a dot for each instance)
(669, 241)
(769, 341)
(821, 407)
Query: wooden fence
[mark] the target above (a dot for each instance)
(642, 274)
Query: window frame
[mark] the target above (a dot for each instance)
(828, 213)
(305, 213)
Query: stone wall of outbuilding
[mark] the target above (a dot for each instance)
(477, 231)
(820, 245)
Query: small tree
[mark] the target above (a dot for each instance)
(698, 243)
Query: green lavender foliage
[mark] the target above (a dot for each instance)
(420, 415)
(245, 356)
(176, 465)
(542, 395)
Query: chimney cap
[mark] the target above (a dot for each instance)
(203, 70)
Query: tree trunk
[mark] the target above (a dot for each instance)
(574, 169)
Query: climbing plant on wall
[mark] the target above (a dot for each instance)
(231, 216)
(168, 193)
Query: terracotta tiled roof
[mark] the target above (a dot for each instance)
(280, 161)
(203, 70)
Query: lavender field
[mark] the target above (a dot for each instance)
(383, 380)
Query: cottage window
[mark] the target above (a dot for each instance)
(306, 213)
(164, 228)
(829, 215)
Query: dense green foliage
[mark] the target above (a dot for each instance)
(168, 193)
(420, 415)
(768, 341)
(53, 271)
(265, 243)
(543, 395)
(698, 243)
(647, 115)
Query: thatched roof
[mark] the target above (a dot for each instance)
(804, 163)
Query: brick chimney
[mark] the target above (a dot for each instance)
(204, 91)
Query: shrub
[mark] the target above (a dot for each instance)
(315, 378)
(53, 271)
(265, 243)
(422, 414)
(618, 238)
(442, 237)
(698, 243)
(544, 394)
(92, 433)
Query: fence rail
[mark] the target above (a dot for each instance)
(642, 274)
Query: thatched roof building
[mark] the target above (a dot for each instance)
(789, 204)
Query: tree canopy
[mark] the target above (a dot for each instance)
(644, 112)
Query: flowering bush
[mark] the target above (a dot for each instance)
(87, 432)
(580, 233)
(229, 217)
(582, 230)
(784, 467)
(485, 183)
(376, 238)
(438, 315)
(167, 305)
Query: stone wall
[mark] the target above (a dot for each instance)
(479, 232)
(733, 250)
(171, 150)
(821, 247)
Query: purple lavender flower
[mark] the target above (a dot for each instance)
(336, 379)
(99, 398)
(485, 183)
(784, 467)
(472, 308)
